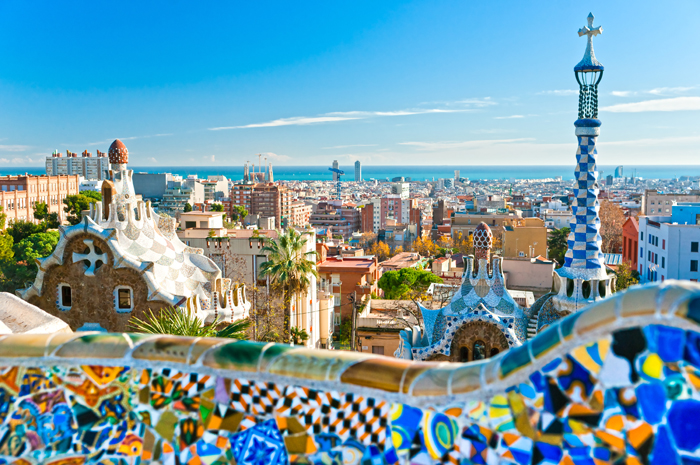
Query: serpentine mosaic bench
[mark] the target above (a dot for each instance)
(617, 383)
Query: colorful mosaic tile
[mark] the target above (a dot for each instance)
(626, 395)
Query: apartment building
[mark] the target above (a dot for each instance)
(393, 209)
(300, 214)
(264, 199)
(342, 220)
(630, 242)
(19, 194)
(669, 248)
(89, 167)
(655, 203)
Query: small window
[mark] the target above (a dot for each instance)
(379, 350)
(65, 297)
(693, 246)
(663, 262)
(123, 299)
(641, 236)
(693, 265)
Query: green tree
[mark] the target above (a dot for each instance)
(299, 336)
(290, 268)
(94, 195)
(626, 277)
(21, 230)
(52, 221)
(406, 283)
(75, 204)
(188, 207)
(557, 244)
(41, 211)
(179, 322)
(238, 213)
(3, 218)
(37, 245)
(217, 207)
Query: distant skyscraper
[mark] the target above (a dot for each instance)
(358, 171)
(618, 172)
(456, 175)
(335, 166)
(608, 180)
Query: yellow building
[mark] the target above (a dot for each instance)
(525, 237)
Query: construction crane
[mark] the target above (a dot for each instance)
(339, 173)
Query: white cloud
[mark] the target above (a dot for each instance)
(21, 161)
(14, 148)
(510, 117)
(275, 157)
(336, 116)
(110, 140)
(153, 160)
(451, 145)
(560, 93)
(660, 91)
(667, 104)
(664, 141)
(347, 146)
(212, 158)
(669, 90)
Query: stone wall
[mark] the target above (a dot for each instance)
(90, 293)
(617, 383)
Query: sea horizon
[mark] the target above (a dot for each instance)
(414, 172)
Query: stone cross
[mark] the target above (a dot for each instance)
(91, 258)
(589, 30)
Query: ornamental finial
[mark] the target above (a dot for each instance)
(589, 62)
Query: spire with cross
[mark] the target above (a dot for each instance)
(589, 62)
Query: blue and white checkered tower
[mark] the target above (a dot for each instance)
(583, 278)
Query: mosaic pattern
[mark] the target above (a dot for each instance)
(481, 297)
(142, 240)
(572, 395)
(584, 243)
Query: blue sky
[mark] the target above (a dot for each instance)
(425, 82)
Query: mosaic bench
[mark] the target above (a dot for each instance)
(617, 383)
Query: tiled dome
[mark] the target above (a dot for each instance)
(483, 237)
(118, 153)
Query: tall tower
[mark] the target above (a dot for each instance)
(583, 278)
(335, 173)
(358, 171)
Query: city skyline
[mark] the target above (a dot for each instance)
(397, 83)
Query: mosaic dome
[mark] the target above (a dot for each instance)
(118, 153)
(483, 237)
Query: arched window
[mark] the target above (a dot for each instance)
(479, 350)
(464, 354)
(65, 297)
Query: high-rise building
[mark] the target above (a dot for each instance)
(335, 167)
(265, 200)
(456, 175)
(618, 172)
(608, 180)
(358, 171)
(402, 189)
(89, 167)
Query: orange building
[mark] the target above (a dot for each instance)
(19, 194)
(346, 276)
(630, 247)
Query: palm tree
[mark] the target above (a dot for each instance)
(178, 322)
(289, 267)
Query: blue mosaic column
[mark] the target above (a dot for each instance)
(584, 258)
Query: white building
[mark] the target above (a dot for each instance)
(89, 167)
(402, 189)
(669, 247)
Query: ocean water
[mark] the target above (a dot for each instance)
(415, 172)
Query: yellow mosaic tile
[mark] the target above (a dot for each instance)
(380, 373)
(639, 301)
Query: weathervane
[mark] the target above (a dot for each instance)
(589, 72)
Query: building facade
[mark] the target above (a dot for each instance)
(669, 248)
(655, 203)
(19, 195)
(89, 167)
(630, 242)
(358, 171)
